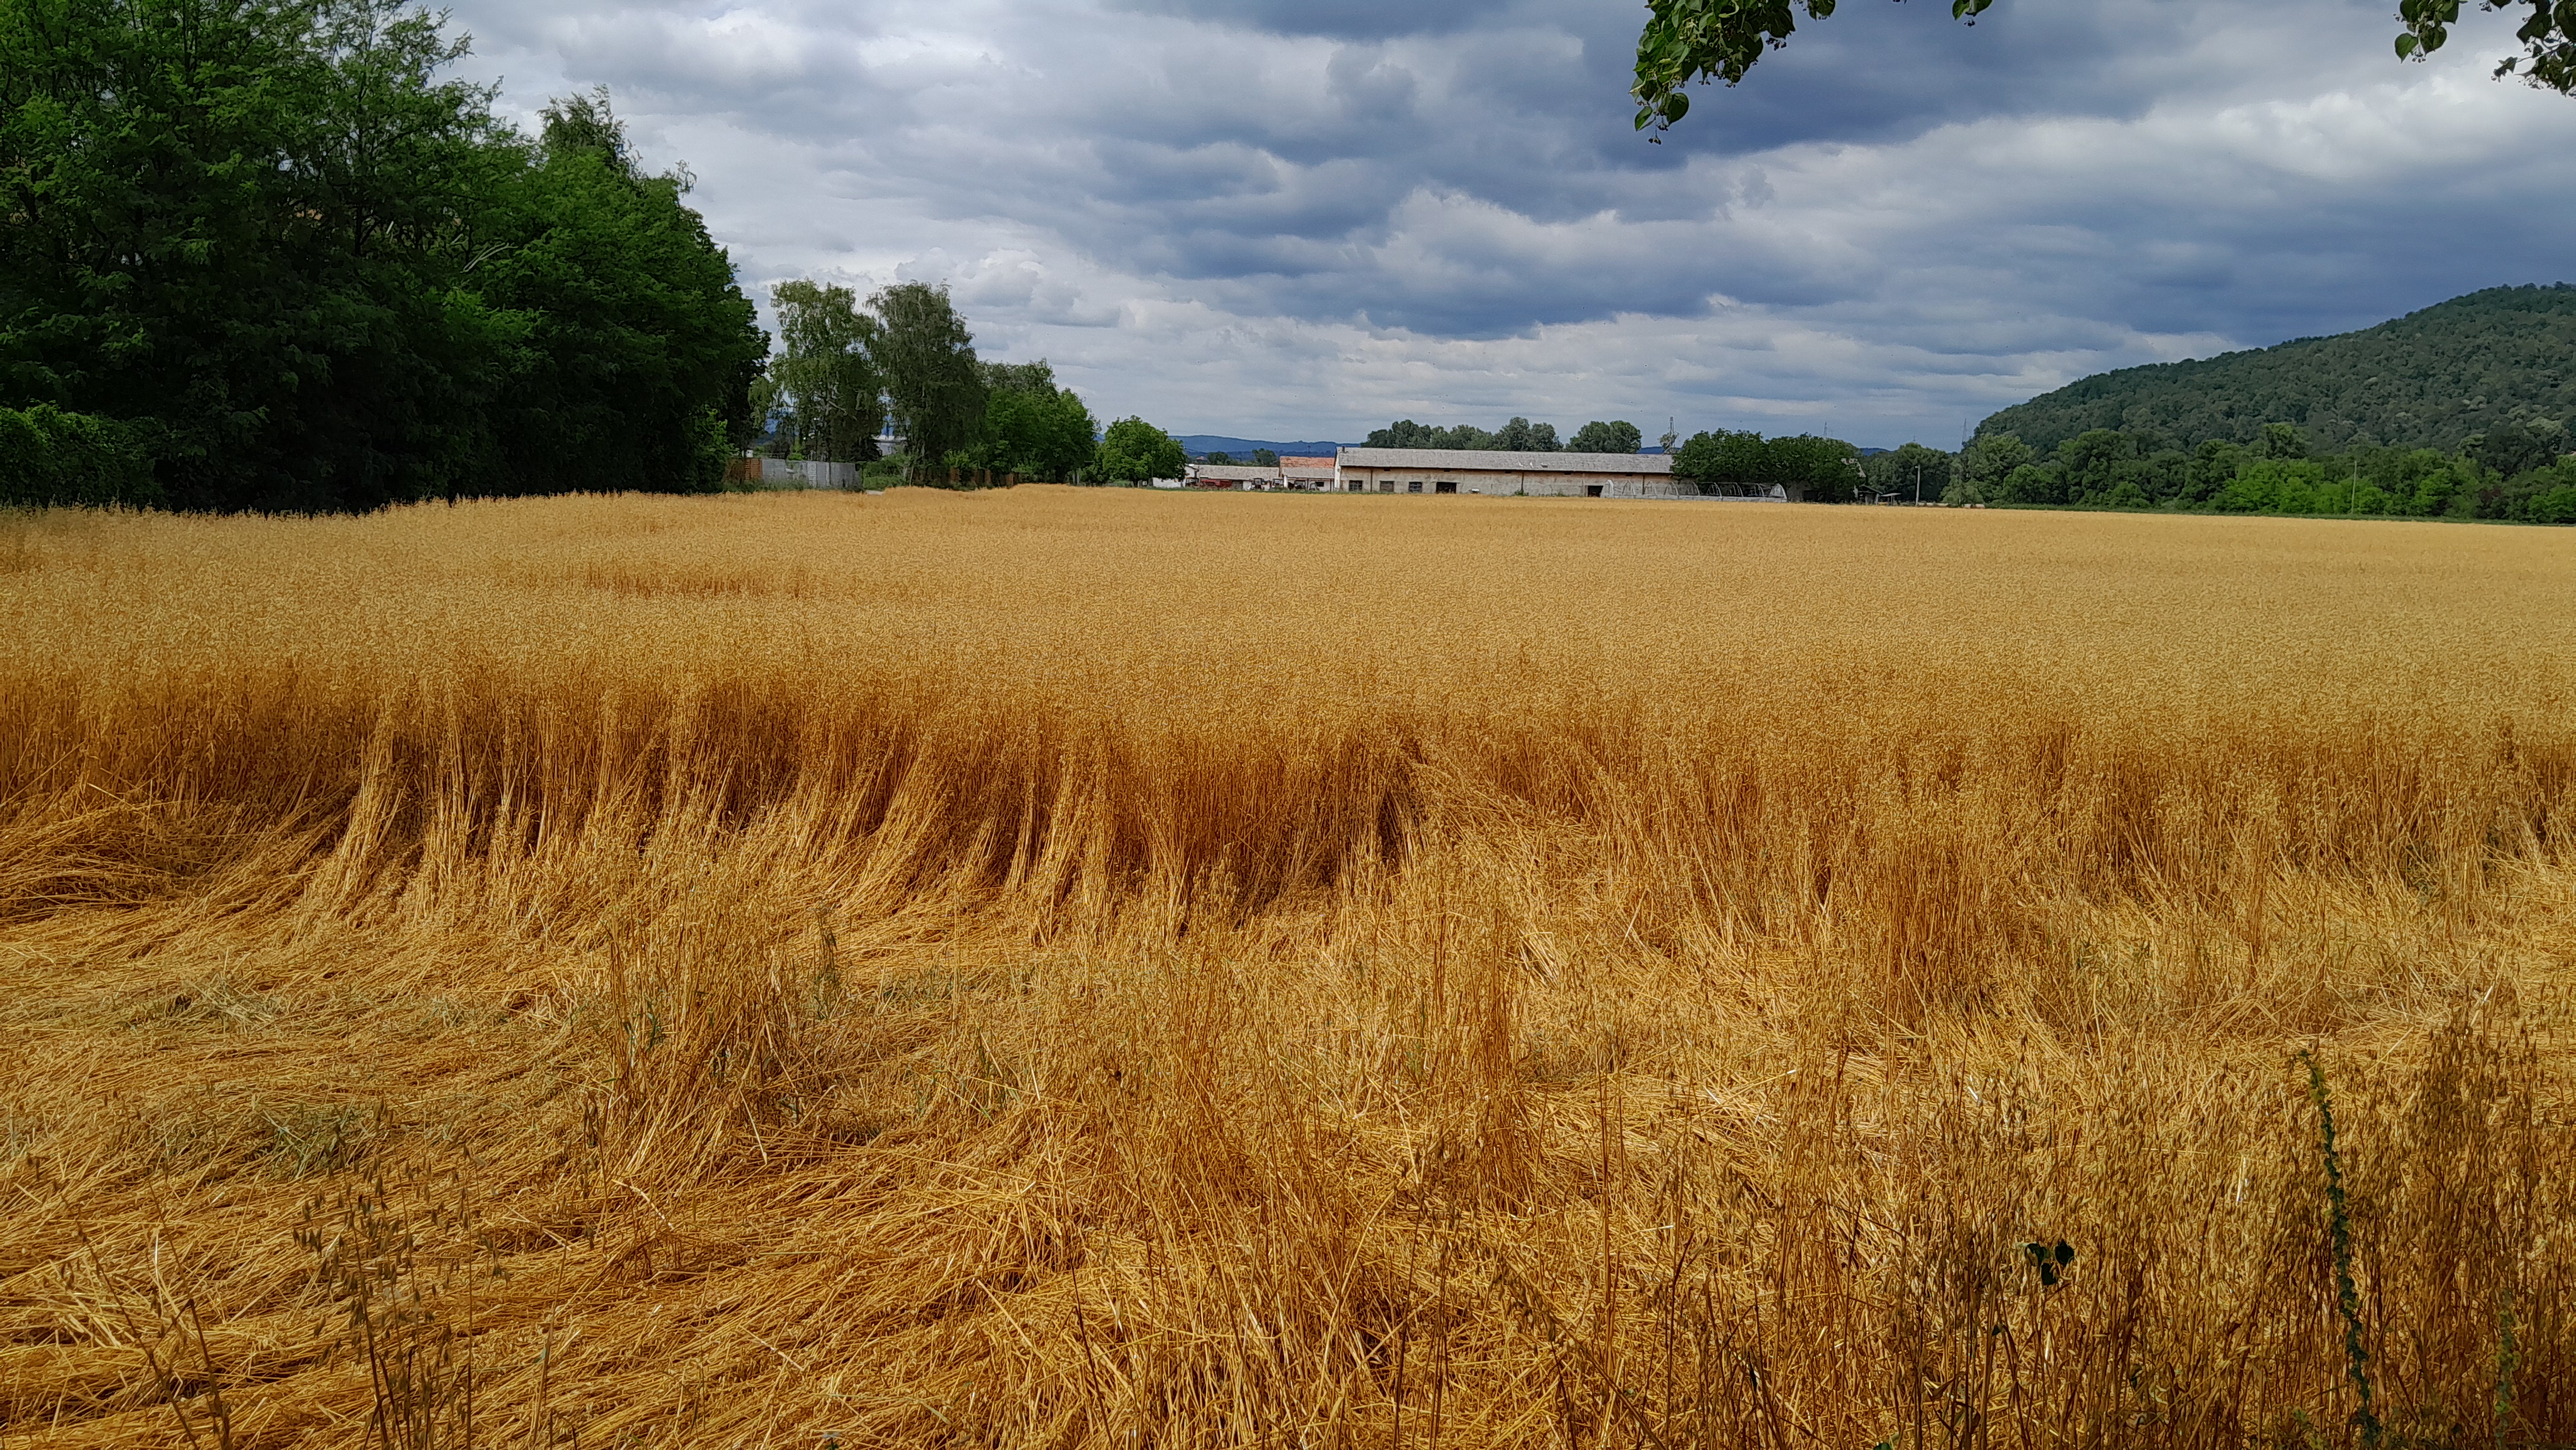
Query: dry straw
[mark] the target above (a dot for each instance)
(1068, 968)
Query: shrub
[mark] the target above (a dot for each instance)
(48, 456)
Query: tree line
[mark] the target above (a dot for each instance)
(1519, 435)
(2520, 470)
(266, 255)
(260, 255)
(1820, 470)
(903, 365)
(845, 373)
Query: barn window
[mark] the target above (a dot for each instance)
(1414, 487)
(1444, 486)
(1592, 490)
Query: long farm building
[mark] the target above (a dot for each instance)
(1459, 470)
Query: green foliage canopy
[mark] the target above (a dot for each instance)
(1405, 433)
(2435, 378)
(1820, 470)
(927, 358)
(1520, 435)
(1135, 451)
(825, 371)
(1032, 427)
(1600, 437)
(1988, 459)
(639, 351)
(2523, 480)
(291, 268)
(50, 456)
(1725, 457)
(1702, 40)
(1908, 472)
(1826, 470)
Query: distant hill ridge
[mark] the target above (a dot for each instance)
(2430, 379)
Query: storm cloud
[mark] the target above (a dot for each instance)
(1271, 218)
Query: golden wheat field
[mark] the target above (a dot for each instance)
(1083, 968)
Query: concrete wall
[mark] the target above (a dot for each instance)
(1535, 485)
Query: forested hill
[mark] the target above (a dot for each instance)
(2430, 379)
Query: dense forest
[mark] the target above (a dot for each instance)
(262, 256)
(2439, 378)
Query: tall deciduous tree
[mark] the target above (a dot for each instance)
(291, 267)
(1405, 433)
(1824, 470)
(1910, 472)
(231, 231)
(1702, 40)
(1032, 427)
(927, 358)
(1135, 451)
(640, 350)
(825, 372)
(1600, 437)
(1520, 435)
(1984, 464)
(1726, 459)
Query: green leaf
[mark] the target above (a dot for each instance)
(2405, 46)
(1675, 107)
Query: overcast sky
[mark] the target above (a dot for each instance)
(1302, 218)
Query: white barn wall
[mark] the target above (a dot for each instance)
(1541, 475)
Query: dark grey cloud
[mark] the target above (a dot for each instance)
(1259, 217)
